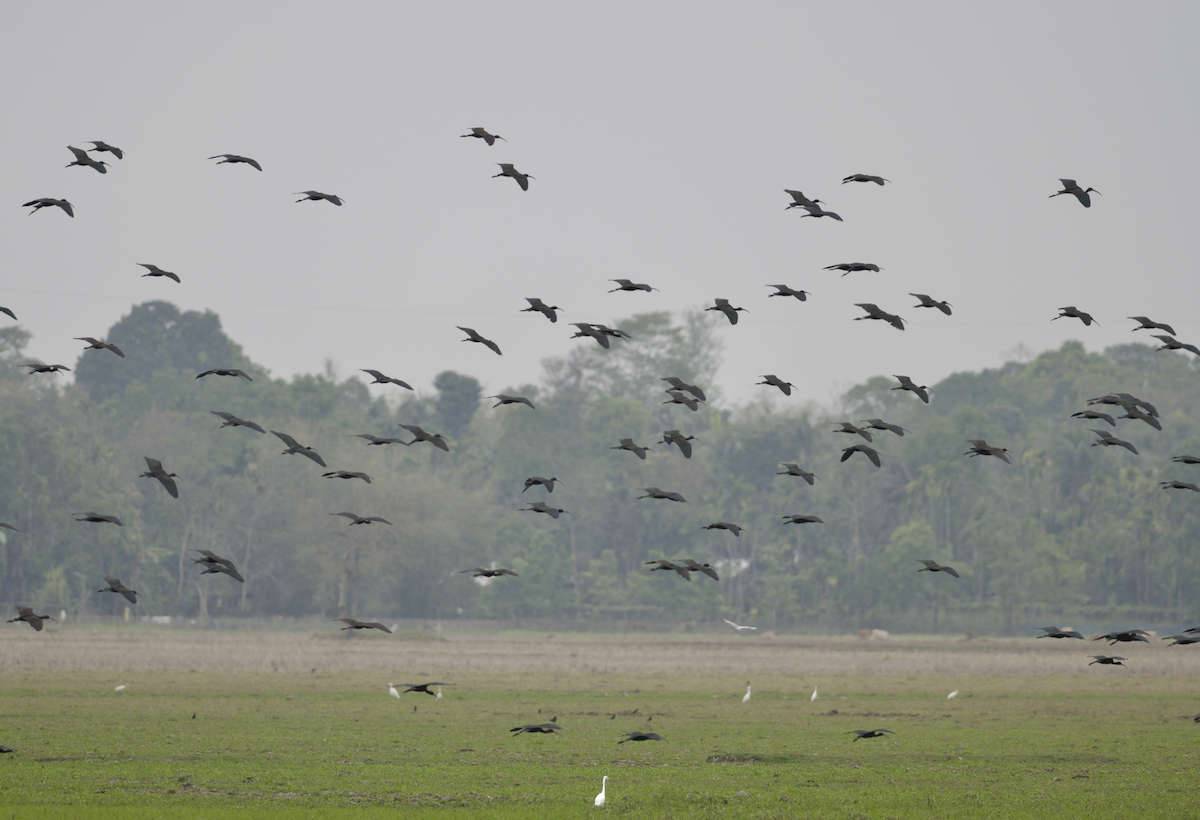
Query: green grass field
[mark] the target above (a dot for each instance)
(295, 743)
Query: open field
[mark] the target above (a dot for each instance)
(295, 725)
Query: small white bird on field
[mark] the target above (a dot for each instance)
(738, 627)
(603, 789)
(746, 697)
(439, 693)
(952, 695)
(120, 688)
(814, 695)
(392, 691)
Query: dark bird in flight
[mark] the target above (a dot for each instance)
(638, 736)
(818, 212)
(876, 312)
(102, 147)
(1170, 343)
(784, 290)
(46, 202)
(869, 452)
(535, 728)
(214, 563)
(436, 439)
(852, 267)
(155, 470)
(725, 525)
(1096, 415)
(679, 440)
(317, 196)
(97, 518)
(419, 687)
(731, 313)
(682, 571)
(681, 385)
(472, 336)
(868, 733)
(115, 585)
(1146, 323)
(155, 270)
(548, 483)
(5, 525)
(677, 397)
(775, 381)
(234, 159)
(503, 399)
(1182, 640)
(629, 285)
(482, 572)
(8, 311)
(1128, 636)
(1126, 401)
(707, 569)
(800, 200)
(847, 427)
(1070, 187)
(1186, 459)
(96, 344)
(26, 614)
(543, 507)
(928, 301)
(347, 474)
(379, 378)
(45, 368)
(354, 623)
(794, 470)
(880, 424)
(82, 159)
(908, 384)
(979, 447)
(1138, 415)
(1107, 660)
(797, 518)
(1072, 312)
(479, 133)
(507, 170)
(225, 371)
(233, 421)
(934, 566)
(1109, 440)
(628, 444)
(1055, 632)
(654, 492)
(593, 332)
(538, 306)
(865, 178)
(296, 448)
(358, 519)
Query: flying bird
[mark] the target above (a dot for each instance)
(847, 427)
(629, 285)
(775, 381)
(225, 371)
(591, 331)
(1186, 459)
(1138, 415)
(1179, 485)
(934, 566)
(155, 270)
(5, 525)
(1072, 312)
(928, 301)
(869, 452)
(1055, 632)
(800, 200)
(868, 733)
(507, 170)
(639, 736)
(8, 311)
(472, 336)
(296, 448)
(96, 344)
(676, 397)
(1127, 636)
(1170, 343)
(380, 378)
(1146, 323)
(680, 570)
(102, 147)
(535, 728)
(436, 439)
(1070, 187)
(979, 447)
(731, 313)
(82, 159)
(707, 569)
(784, 290)
(503, 399)
(155, 470)
(347, 474)
(908, 384)
(679, 440)
(46, 202)
(548, 483)
(1182, 640)
(628, 444)
(97, 518)
(317, 196)
(354, 623)
(865, 178)
(214, 563)
(115, 585)
(797, 518)
(233, 421)
(818, 212)
(1109, 440)
(543, 507)
(738, 627)
(234, 158)
(358, 519)
(1107, 660)
(654, 492)
(538, 306)
(876, 312)
(420, 687)
(1096, 415)
(483, 572)
(479, 133)
(45, 368)
(26, 614)
(853, 267)
(880, 424)
(795, 470)
(681, 385)
(725, 525)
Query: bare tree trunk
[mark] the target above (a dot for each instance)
(202, 598)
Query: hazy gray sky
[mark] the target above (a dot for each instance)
(662, 136)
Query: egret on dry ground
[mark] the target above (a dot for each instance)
(599, 801)
(746, 697)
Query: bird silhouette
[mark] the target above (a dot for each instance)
(628, 444)
(508, 170)
(358, 519)
(46, 202)
(876, 312)
(480, 133)
(1125, 636)
(639, 736)
(97, 518)
(800, 200)
(436, 439)
(96, 344)
(115, 585)
(928, 301)
(725, 525)
(6, 526)
(354, 623)
(154, 469)
(1170, 343)
(662, 495)
(1146, 323)
(1109, 440)
(979, 447)
(1186, 459)
(853, 267)
(1096, 415)
(680, 570)
(422, 687)
(934, 566)
(869, 452)
(155, 270)
(379, 378)
(676, 397)
(731, 313)
(1107, 660)
(26, 614)
(865, 178)
(538, 306)
(548, 483)
(775, 381)
(1070, 187)
(629, 285)
(214, 563)
(296, 448)
(908, 384)
(880, 424)
(45, 368)
(347, 474)
(233, 421)
(317, 196)
(8, 311)
(234, 159)
(847, 427)
(738, 627)
(868, 733)
(504, 399)
(1138, 415)
(535, 728)
(784, 290)
(1182, 640)
(798, 518)
(682, 386)
(543, 507)
(483, 572)
(1055, 632)
(591, 331)
(679, 440)
(1072, 312)
(795, 470)
(472, 336)
(225, 371)
(82, 159)
(103, 147)
(818, 212)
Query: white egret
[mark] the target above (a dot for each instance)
(814, 695)
(120, 688)
(738, 627)
(439, 693)
(392, 691)
(746, 697)
(952, 695)
(603, 788)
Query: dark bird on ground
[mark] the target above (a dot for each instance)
(8, 311)
(225, 371)
(865, 178)
(535, 729)
(934, 566)
(679, 398)
(1138, 415)
(1146, 323)
(794, 469)
(82, 159)
(784, 290)
(629, 285)
(548, 483)
(538, 306)
(214, 563)
(1128, 636)
(679, 440)
(869, 452)
(154, 469)
(775, 381)
(26, 614)
(637, 736)
(436, 439)
(354, 623)
(482, 572)
(45, 368)
(1109, 440)
(296, 448)
(1094, 414)
(46, 202)
(347, 474)
(6, 526)
(97, 518)
(1186, 459)
(818, 212)
(1072, 312)
(1182, 640)
(422, 687)
(234, 159)
(379, 378)
(928, 301)
(233, 421)
(359, 519)
(543, 507)
(707, 569)
(868, 733)
(979, 447)
(876, 312)
(847, 427)
(880, 424)
(6, 750)
(96, 344)
(725, 525)
(731, 313)
(503, 399)
(507, 170)
(317, 196)
(628, 444)
(155, 270)
(1170, 343)
(479, 133)
(115, 585)
(1107, 660)
(591, 331)
(472, 336)
(681, 385)
(102, 147)
(800, 200)
(1071, 187)
(654, 492)
(682, 571)
(852, 267)
(1055, 632)
(908, 384)
(797, 518)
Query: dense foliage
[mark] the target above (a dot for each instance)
(1068, 531)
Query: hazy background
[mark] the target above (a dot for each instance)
(661, 136)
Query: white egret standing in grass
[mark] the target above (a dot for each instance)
(814, 695)
(603, 788)
(952, 695)
(392, 691)
(439, 693)
(746, 697)
(120, 688)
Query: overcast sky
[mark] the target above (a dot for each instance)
(661, 136)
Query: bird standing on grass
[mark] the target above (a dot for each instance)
(746, 697)
(599, 801)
